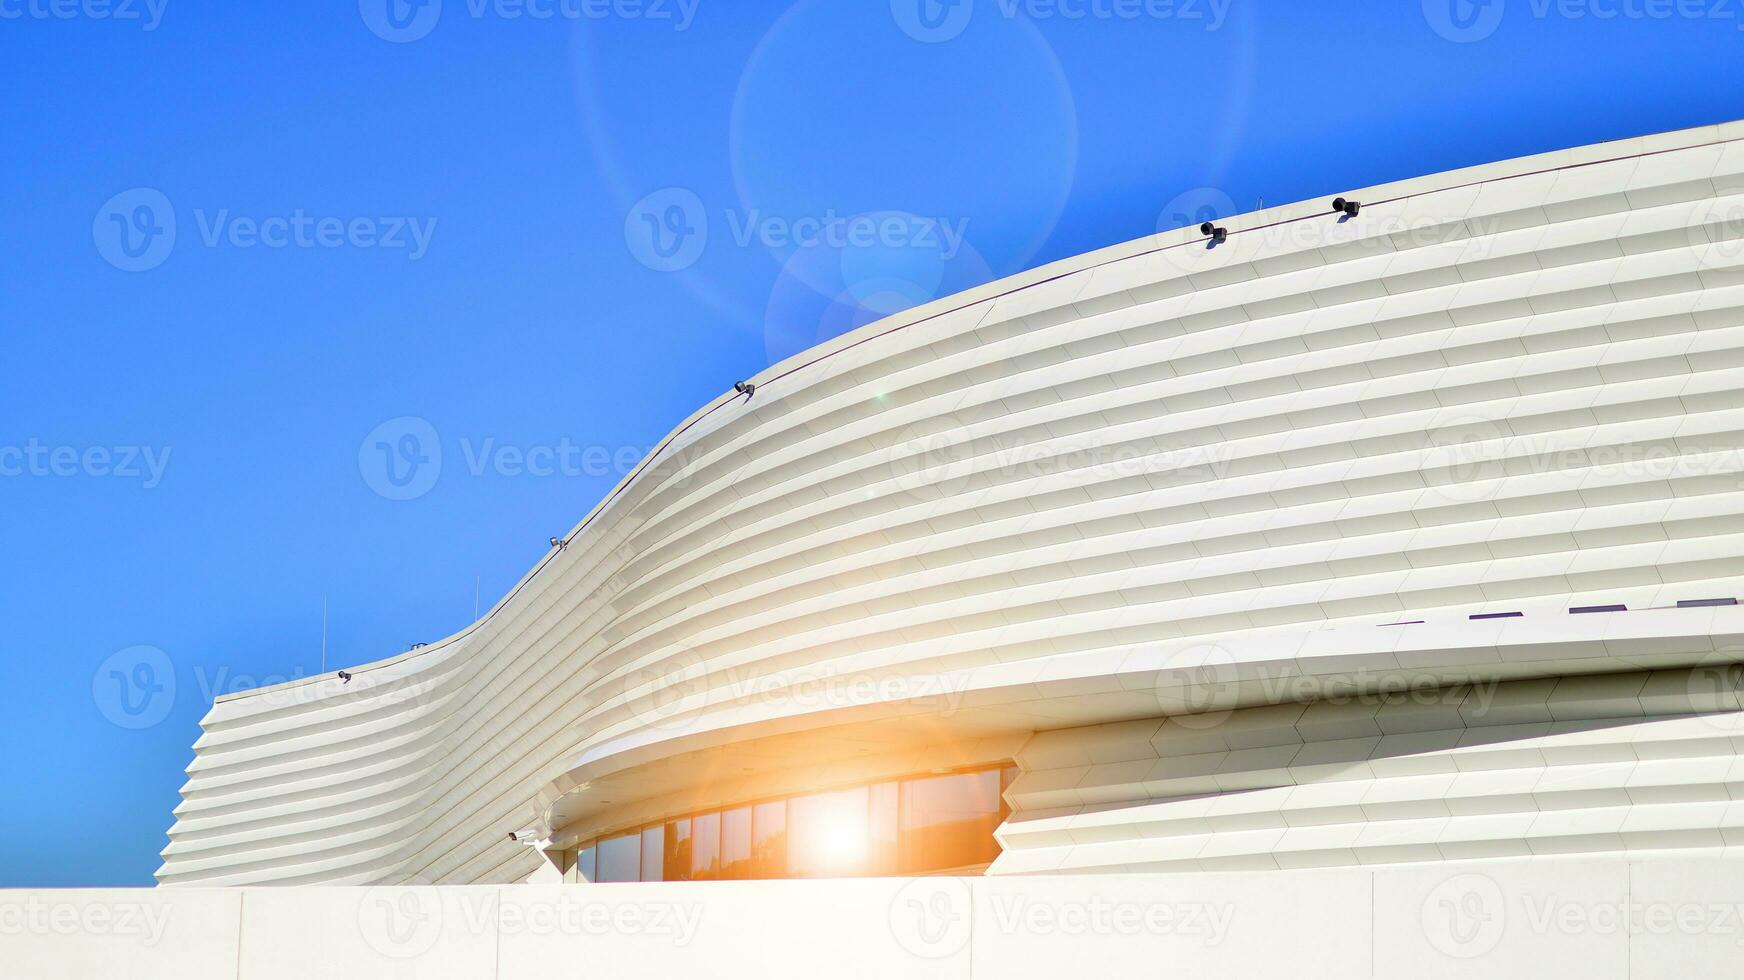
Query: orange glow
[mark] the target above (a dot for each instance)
(829, 833)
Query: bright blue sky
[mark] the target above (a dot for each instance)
(526, 317)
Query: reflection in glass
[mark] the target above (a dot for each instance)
(677, 850)
(826, 833)
(769, 839)
(736, 843)
(705, 853)
(882, 837)
(948, 821)
(620, 858)
(653, 853)
(584, 865)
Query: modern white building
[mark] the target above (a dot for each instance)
(1319, 540)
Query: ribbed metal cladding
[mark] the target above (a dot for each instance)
(1632, 761)
(1512, 388)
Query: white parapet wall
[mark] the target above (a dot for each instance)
(1598, 918)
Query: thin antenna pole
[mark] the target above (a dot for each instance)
(323, 634)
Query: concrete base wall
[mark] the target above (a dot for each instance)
(1596, 918)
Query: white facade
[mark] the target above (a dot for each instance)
(1172, 525)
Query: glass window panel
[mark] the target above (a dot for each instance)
(920, 824)
(736, 843)
(948, 821)
(883, 840)
(620, 858)
(653, 851)
(705, 852)
(769, 840)
(677, 850)
(827, 834)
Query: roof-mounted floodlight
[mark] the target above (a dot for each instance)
(559, 543)
(344, 678)
(1346, 207)
(1213, 232)
(745, 388)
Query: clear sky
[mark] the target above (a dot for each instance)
(261, 262)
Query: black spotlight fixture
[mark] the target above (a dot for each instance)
(745, 388)
(1213, 232)
(1346, 208)
(559, 543)
(344, 678)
